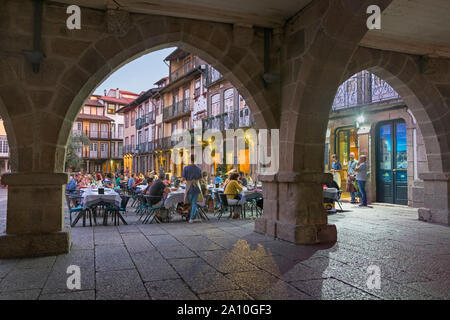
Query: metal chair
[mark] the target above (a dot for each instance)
(226, 204)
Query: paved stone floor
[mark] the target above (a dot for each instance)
(226, 260)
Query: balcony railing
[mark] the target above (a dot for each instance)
(230, 120)
(129, 149)
(212, 75)
(184, 69)
(363, 88)
(177, 109)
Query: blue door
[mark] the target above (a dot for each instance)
(392, 163)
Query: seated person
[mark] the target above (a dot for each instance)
(120, 181)
(243, 179)
(108, 181)
(158, 190)
(149, 184)
(72, 185)
(233, 188)
(332, 184)
(218, 180)
(132, 182)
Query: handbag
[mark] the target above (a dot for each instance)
(200, 196)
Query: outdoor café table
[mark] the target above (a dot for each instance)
(91, 198)
(174, 198)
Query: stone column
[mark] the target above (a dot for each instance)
(293, 208)
(35, 216)
(436, 197)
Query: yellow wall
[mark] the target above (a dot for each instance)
(2, 128)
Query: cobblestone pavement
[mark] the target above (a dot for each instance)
(226, 260)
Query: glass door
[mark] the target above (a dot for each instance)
(392, 163)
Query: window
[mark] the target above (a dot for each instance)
(93, 130)
(126, 120)
(87, 110)
(104, 131)
(120, 134)
(4, 147)
(111, 108)
(228, 96)
(215, 105)
(132, 143)
(127, 142)
(99, 111)
(94, 146)
(197, 88)
(133, 118)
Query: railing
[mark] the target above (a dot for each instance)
(184, 69)
(128, 149)
(230, 120)
(157, 144)
(97, 134)
(177, 109)
(363, 88)
(104, 155)
(212, 75)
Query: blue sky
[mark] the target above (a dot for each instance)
(138, 75)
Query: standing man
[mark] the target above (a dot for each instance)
(351, 166)
(192, 174)
(361, 178)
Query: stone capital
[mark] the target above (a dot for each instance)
(297, 177)
(435, 176)
(35, 179)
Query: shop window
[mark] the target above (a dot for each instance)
(346, 142)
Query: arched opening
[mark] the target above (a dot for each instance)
(192, 94)
(370, 118)
(409, 116)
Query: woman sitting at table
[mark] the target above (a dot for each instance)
(233, 188)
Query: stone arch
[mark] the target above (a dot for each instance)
(8, 75)
(242, 66)
(403, 73)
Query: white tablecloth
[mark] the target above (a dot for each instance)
(174, 198)
(141, 187)
(91, 197)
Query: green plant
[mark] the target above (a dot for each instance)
(73, 161)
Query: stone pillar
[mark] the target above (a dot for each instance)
(436, 197)
(35, 216)
(293, 208)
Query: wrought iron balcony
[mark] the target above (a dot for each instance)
(146, 119)
(178, 109)
(184, 69)
(230, 120)
(361, 89)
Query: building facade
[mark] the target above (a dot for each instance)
(369, 117)
(100, 121)
(194, 95)
(226, 110)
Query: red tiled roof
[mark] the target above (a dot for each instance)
(83, 116)
(95, 103)
(128, 93)
(115, 100)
